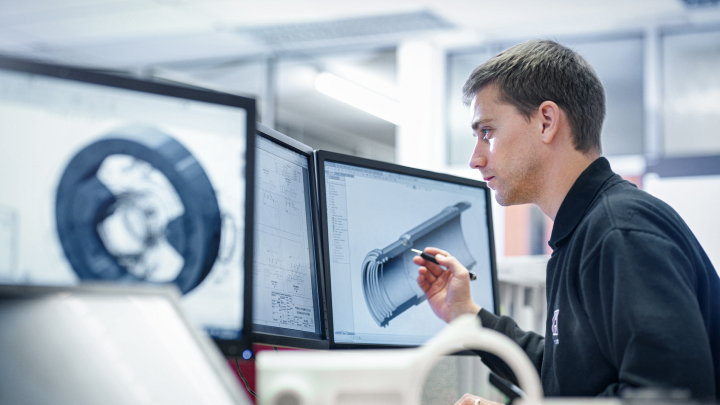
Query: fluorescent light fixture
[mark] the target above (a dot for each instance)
(358, 97)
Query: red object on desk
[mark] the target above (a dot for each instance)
(248, 369)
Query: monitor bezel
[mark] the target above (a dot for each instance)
(272, 339)
(324, 156)
(230, 348)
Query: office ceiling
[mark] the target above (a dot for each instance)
(212, 42)
(132, 33)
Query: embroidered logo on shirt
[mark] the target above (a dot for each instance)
(554, 328)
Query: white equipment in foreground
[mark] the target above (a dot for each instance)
(382, 376)
(107, 344)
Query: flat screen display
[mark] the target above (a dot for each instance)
(111, 179)
(286, 304)
(374, 213)
(113, 344)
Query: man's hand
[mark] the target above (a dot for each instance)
(468, 399)
(447, 291)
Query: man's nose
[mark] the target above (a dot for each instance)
(478, 159)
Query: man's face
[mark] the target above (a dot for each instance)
(507, 148)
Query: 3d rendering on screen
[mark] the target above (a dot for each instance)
(111, 179)
(136, 205)
(389, 274)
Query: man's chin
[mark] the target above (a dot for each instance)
(501, 200)
(507, 197)
(506, 200)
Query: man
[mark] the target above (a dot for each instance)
(633, 300)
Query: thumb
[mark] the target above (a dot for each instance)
(452, 264)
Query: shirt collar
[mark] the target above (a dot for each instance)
(578, 199)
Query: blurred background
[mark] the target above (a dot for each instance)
(382, 79)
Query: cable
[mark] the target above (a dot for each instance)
(247, 386)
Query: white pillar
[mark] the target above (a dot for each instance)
(420, 138)
(652, 89)
(269, 98)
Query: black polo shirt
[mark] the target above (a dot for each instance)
(633, 300)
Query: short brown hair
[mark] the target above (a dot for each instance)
(535, 71)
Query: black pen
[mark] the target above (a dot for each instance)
(432, 259)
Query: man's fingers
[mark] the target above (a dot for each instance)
(424, 285)
(440, 283)
(434, 287)
(444, 258)
(435, 269)
(432, 267)
(429, 276)
(468, 399)
(434, 251)
(452, 264)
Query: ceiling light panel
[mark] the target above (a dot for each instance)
(359, 97)
(700, 3)
(350, 29)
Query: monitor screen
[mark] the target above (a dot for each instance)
(113, 179)
(374, 213)
(107, 345)
(286, 302)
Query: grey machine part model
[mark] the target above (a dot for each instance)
(389, 274)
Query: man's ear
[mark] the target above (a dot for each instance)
(549, 114)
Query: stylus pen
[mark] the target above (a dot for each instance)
(432, 259)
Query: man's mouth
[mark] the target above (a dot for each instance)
(488, 178)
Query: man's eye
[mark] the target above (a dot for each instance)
(485, 133)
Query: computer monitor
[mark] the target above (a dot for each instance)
(113, 179)
(111, 344)
(287, 297)
(373, 214)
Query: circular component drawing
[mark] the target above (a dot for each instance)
(136, 205)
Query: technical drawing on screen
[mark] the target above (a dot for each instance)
(375, 213)
(285, 292)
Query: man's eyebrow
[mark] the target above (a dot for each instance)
(476, 124)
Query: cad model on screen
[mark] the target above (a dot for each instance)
(374, 218)
(389, 274)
